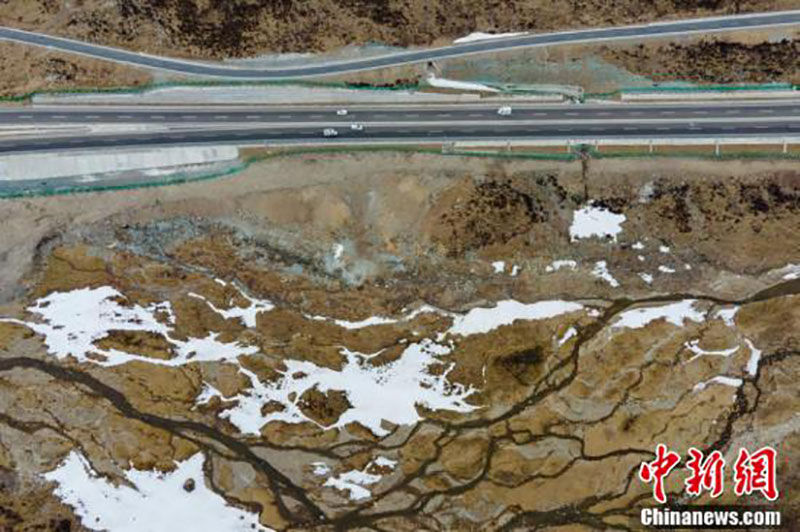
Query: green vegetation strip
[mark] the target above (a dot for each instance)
(576, 154)
(139, 89)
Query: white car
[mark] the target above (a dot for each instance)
(357, 127)
(504, 111)
(341, 112)
(330, 132)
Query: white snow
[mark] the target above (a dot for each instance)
(790, 272)
(400, 386)
(665, 269)
(380, 320)
(71, 323)
(481, 36)
(640, 257)
(321, 469)
(354, 481)
(727, 315)
(663, 249)
(592, 221)
(247, 314)
(338, 249)
(443, 83)
(646, 277)
(154, 502)
(514, 271)
(675, 313)
(638, 245)
(600, 271)
(499, 266)
(483, 320)
(755, 358)
(720, 379)
(567, 335)
(558, 264)
(694, 347)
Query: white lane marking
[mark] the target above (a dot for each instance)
(221, 117)
(157, 116)
(445, 115)
(125, 117)
(25, 116)
(59, 117)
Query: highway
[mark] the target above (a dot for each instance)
(207, 69)
(285, 115)
(386, 124)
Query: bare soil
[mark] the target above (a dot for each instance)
(245, 28)
(712, 61)
(27, 69)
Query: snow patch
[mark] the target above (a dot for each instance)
(567, 335)
(558, 264)
(675, 313)
(246, 314)
(483, 320)
(720, 379)
(156, 502)
(354, 481)
(499, 266)
(646, 277)
(592, 221)
(401, 385)
(727, 315)
(481, 36)
(600, 271)
(665, 269)
(755, 358)
(694, 347)
(73, 321)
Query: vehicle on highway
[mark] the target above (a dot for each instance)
(504, 111)
(357, 127)
(342, 112)
(330, 132)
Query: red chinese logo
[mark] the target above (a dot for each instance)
(657, 470)
(754, 472)
(705, 474)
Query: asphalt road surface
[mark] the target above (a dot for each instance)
(733, 22)
(365, 114)
(50, 129)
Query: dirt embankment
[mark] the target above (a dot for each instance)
(245, 28)
(712, 61)
(26, 69)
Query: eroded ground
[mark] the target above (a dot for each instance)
(396, 342)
